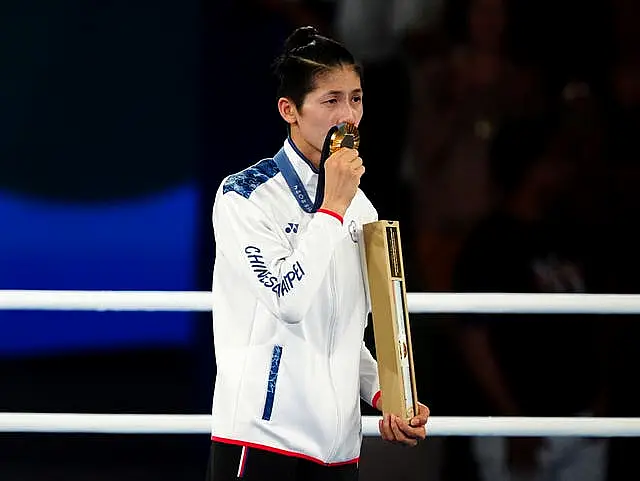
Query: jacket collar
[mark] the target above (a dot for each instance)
(304, 168)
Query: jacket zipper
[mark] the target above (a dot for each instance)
(332, 323)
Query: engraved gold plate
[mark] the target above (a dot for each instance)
(391, 326)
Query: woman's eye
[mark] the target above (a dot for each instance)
(357, 98)
(332, 101)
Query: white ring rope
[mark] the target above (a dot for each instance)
(418, 302)
(437, 425)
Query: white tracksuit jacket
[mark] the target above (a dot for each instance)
(290, 307)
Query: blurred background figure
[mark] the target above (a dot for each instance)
(463, 87)
(532, 365)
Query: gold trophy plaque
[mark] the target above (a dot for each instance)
(394, 353)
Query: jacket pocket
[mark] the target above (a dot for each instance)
(271, 382)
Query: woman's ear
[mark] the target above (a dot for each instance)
(287, 110)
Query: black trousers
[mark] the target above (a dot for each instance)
(228, 462)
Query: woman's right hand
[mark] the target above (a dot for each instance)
(343, 170)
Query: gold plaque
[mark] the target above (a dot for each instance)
(392, 333)
(346, 135)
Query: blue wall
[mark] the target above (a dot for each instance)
(110, 153)
(143, 244)
(99, 146)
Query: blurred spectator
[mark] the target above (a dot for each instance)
(461, 92)
(533, 365)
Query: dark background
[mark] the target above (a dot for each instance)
(119, 119)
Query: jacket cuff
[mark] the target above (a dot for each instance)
(333, 214)
(376, 400)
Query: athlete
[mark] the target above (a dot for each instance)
(290, 299)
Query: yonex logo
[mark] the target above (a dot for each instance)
(291, 228)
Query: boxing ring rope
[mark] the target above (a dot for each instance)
(436, 426)
(418, 303)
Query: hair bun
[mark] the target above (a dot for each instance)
(301, 37)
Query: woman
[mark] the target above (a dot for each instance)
(289, 291)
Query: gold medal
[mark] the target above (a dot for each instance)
(346, 135)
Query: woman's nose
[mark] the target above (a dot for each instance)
(349, 115)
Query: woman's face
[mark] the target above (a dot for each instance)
(336, 98)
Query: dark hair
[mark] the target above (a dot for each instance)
(306, 54)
